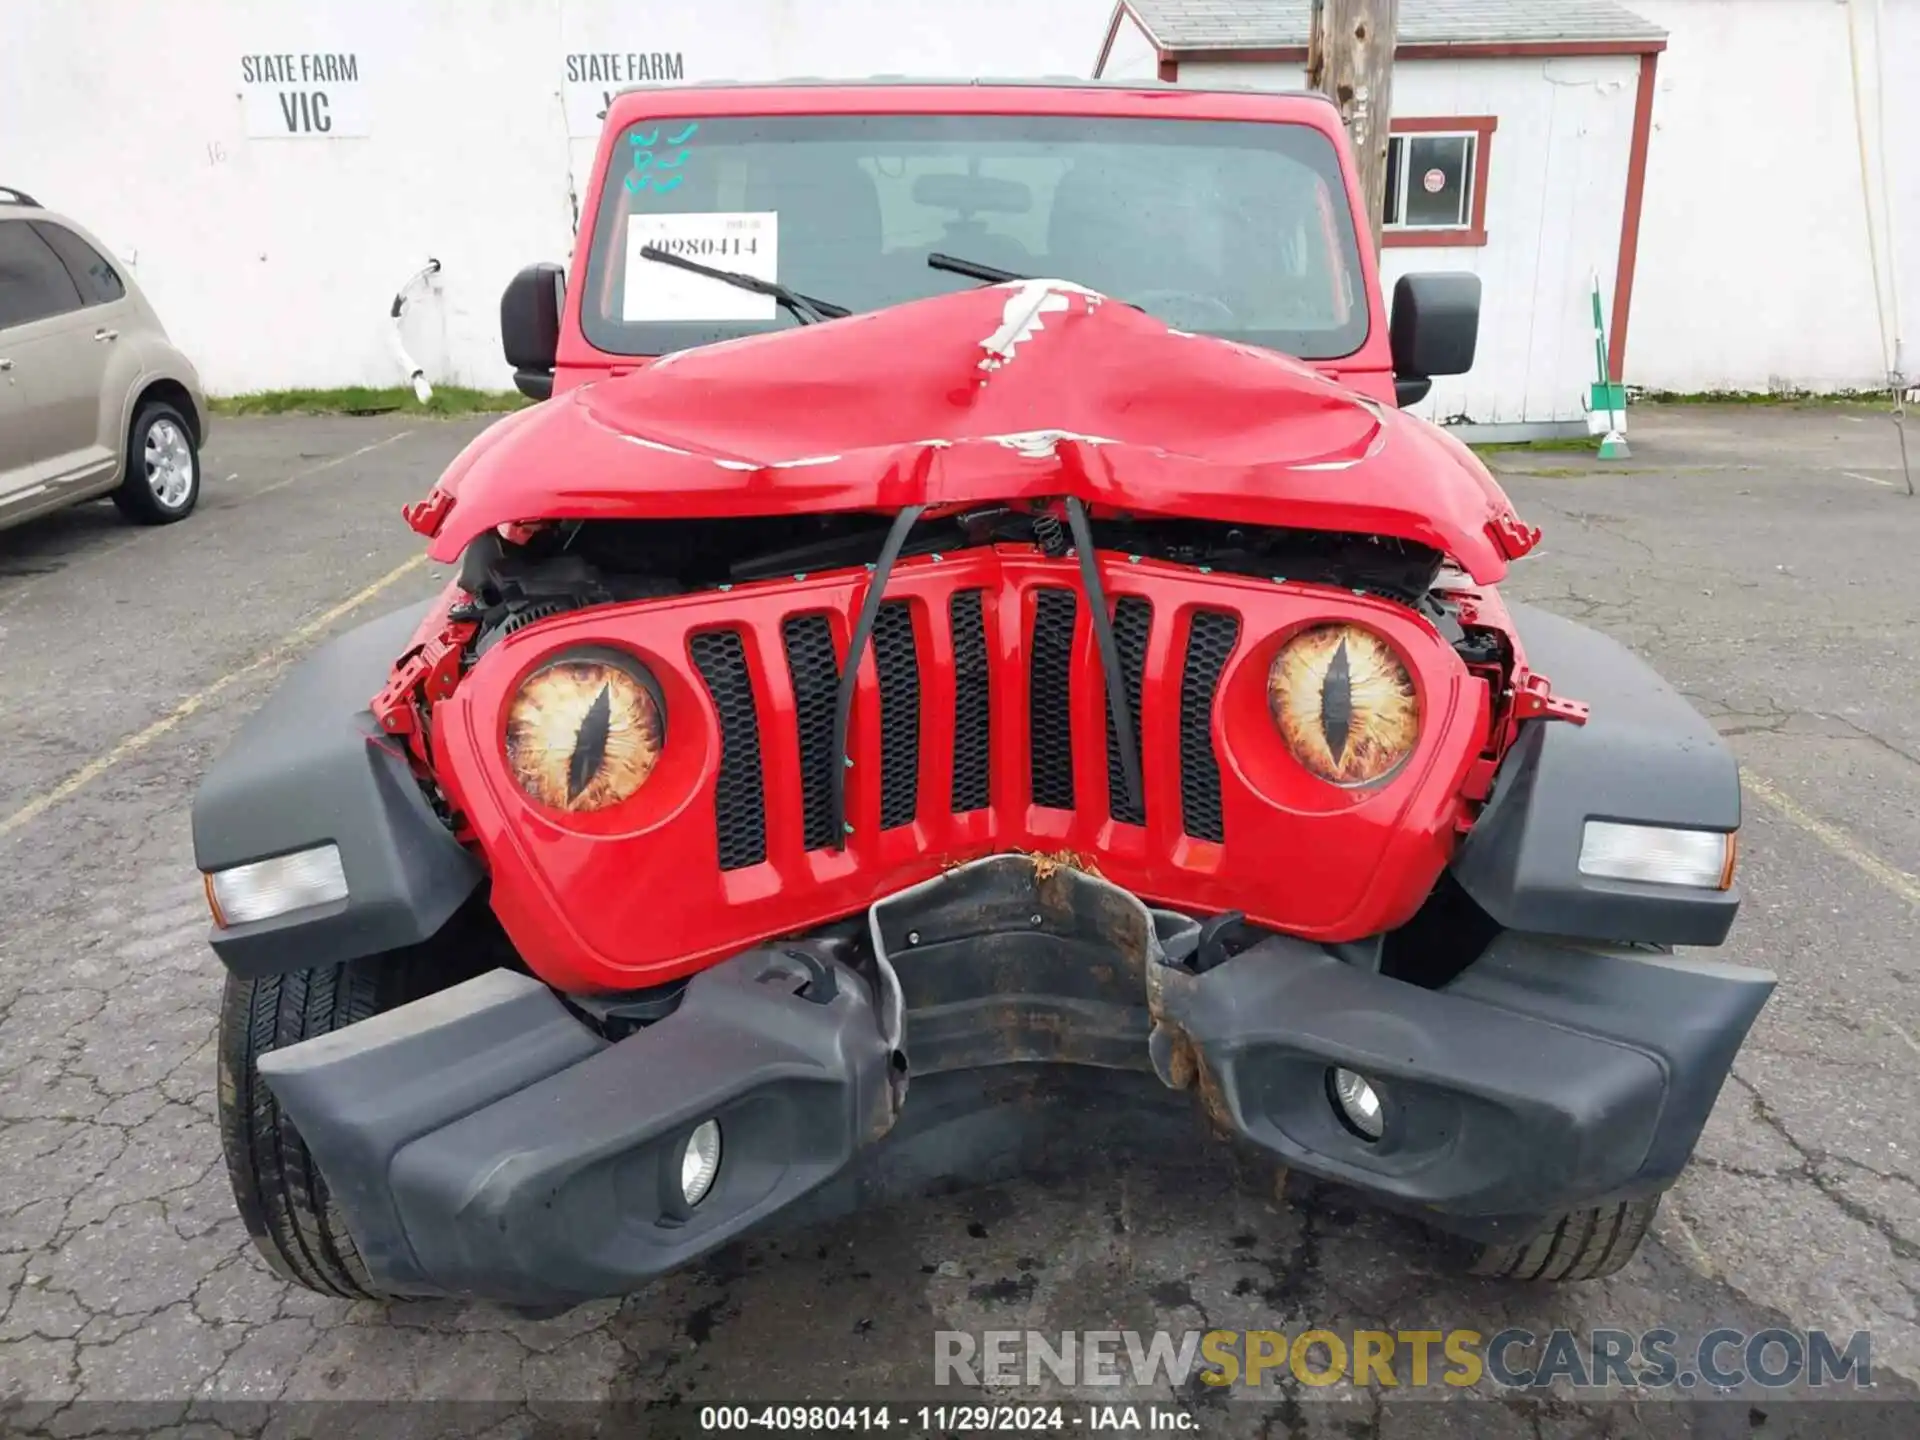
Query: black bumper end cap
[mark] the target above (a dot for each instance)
(1547, 1077)
(485, 1142)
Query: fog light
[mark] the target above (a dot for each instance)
(700, 1162)
(1659, 856)
(268, 888)
(1357, 1103)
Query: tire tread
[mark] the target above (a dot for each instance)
(1581, 1245)
(277, 1186)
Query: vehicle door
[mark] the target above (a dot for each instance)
(53, 360)
(117, 325)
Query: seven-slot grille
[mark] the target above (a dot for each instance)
(1047, 665)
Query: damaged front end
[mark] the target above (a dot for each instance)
(486, 1141)
(822, 810)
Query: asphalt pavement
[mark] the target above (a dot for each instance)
(1764, 560)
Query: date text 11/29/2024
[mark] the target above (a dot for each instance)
(947, 1419)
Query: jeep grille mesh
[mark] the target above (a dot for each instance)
(814, 670)
(740, 818)
(788, 806)
(1132, 619)
(1049, 710)
(1210, 640)
(897, 661)
(972, 713)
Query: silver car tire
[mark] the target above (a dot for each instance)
(162, 479)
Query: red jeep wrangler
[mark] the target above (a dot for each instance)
(969, 650)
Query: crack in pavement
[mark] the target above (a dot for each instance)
(1811, 1161)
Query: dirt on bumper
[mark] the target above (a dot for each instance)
(486, 1142)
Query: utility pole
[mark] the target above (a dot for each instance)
(1350, 60)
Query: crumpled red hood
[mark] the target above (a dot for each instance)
(1023, 390)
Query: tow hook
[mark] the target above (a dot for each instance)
(1533, 699)
(1201, 949)
(425, 517)
(426, 674)
(1511, 535)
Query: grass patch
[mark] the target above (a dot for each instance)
(1782, 399)
(369, 400)
(1589, 443)
(1560, 472)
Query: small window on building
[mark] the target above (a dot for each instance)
(1435, 190)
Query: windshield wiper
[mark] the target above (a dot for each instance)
(990, 273)
(805, 309)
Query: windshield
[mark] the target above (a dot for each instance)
(1228, 228)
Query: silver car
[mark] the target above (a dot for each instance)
(94, 399)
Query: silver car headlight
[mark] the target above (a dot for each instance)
(1703, 859)
(265, 889)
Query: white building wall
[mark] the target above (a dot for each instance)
(1133, 56)
(1556, 186)
(1754, 269)
(273, 261)
(1900, 134)
(1250, 74)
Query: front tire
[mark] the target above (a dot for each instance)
(277, 1187)
(161, 483)
(1585, 1245)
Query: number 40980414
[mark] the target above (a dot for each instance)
(711, 246)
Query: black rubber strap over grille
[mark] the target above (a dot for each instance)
(862, 630)
(1117, 707)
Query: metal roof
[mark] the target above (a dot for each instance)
(1190, 25)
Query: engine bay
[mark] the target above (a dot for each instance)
(569, 565)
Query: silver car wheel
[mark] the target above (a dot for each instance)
(169, 461)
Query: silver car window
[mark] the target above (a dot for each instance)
(33, 282)
(99, 282)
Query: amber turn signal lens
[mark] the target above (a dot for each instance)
(1345, 704)
(585, 730)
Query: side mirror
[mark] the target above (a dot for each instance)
(530, 327)
(1433, 329)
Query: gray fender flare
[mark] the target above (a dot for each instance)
(311, 767)
(1645, 755)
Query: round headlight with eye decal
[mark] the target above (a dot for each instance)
(584, 730)
(1345, 704)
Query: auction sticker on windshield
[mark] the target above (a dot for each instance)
(744, 241)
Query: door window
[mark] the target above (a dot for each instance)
(33, 282)
(99, 282)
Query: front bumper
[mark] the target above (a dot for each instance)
(486, 1142)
